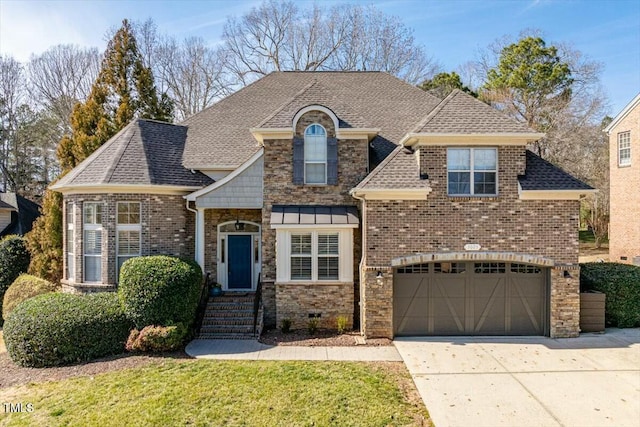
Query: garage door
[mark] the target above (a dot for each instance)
(470, 298)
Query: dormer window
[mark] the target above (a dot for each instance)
(315, 155)
(472, 171)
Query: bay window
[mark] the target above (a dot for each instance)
(128, 233)
(92, 241)
(314, 255)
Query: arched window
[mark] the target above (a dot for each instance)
(315, 155)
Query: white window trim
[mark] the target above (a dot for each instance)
(90, 227)
(128, 227)
(627, 135)
(345, 254)
(316, 162)
(71, 253)
(471, 173)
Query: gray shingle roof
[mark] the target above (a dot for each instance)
(463, 114)
(400, 170)
(309, 214)
(24, 213)
(542, 175)
(145, 152)
(219, 135)
(5, 205)
(315, 93)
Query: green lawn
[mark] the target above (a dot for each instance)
(586, 236)
(202, 392)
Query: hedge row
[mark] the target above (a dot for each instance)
(621, 284)
(24, 287)
(14, 260)
(59, 329)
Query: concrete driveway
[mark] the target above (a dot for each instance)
(593, 380)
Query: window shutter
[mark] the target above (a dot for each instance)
(298, 161)
(332, 161)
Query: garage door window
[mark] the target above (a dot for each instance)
(490, 267)
(449, 267)
(525, 269)
(414, 269)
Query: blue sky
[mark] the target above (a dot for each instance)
(452, 31)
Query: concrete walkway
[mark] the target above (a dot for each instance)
(593, 380)
(254, 350)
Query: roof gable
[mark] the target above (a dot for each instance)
(461, 113)
(635, 103)
(220, 134)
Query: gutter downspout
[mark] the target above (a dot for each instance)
(364, 256)
(199, 238)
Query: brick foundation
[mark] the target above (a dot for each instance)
(297, 302)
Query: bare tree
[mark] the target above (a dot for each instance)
(278, 36)
(191, 73)
(12, 95)
(62, 76)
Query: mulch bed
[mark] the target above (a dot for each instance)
(322, 338)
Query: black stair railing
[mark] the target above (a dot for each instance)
(202, 305)
(257, 299)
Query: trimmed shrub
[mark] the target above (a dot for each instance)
(160, 290)
(621, 284)
(59, 329)
(157, 338)
(24, 287)
(14, 259)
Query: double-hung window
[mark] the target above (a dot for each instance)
(71, 261)
(92, 241)
(624, 148)
(128, 232)
(472, 171)
(315, 155)
(315, 256)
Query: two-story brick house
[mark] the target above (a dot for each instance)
(349, 194)
(624, 182)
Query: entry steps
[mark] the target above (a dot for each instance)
(230, 316)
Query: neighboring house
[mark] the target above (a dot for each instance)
(16, 214)
(624, 174)
(348, 194)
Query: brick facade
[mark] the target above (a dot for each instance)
(328, 302)
(442, 224)
(280, 190)
(214, 217)
(624, 225)
(167, 228)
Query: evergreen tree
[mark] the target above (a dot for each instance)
(442, 84)
(123, 90)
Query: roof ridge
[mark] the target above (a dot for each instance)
(161, 122)
(380, 166)
(121, 149)
(288, 102)
(433, 113)
(232, 95)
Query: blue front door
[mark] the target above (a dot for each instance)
(239, 263)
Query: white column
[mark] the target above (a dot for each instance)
(200, 237)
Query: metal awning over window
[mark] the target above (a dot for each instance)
(314, 215)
